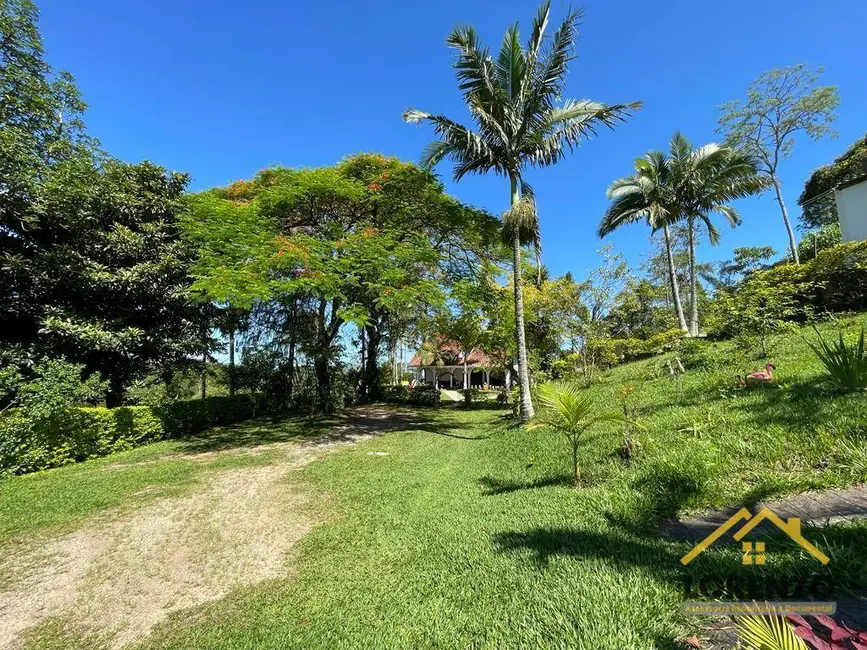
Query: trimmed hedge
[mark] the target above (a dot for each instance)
(417, 395)
(81, 433)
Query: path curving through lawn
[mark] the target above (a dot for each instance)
(116, 577)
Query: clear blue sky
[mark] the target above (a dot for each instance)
(222, 88)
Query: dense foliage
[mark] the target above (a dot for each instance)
(372, 244)
(73, 434)
(817, 199)
(91, 265)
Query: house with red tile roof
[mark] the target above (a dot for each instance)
(443, 365)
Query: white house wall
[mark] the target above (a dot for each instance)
(852, 211)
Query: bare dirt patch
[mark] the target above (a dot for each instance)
(119, 577)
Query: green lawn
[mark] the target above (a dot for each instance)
(468, 534)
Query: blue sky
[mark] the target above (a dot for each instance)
(222, 89)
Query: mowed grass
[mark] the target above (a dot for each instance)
(55, 501)
(468, 533)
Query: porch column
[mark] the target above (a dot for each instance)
(435, 377)
(508, 378)
(452, 378)
(487, 377)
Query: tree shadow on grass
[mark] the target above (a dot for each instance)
(718, 572)
(372, 420)
(799, 405)
(494, 486)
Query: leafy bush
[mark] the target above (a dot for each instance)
(470, 395)
(846, 363)
(185, 418)
(822, 239)
(698, 354)
(663, 341)
(77, 434)
(835, 280)
(53, 386)
(758, 312)
(31, 442)
(417, 395)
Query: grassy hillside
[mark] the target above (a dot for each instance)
(466, 531)
(468, 534)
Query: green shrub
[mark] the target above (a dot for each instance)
(76, 434)
(846, 363)
(417, 395)
(663, 342)
(836, 280)
(698, 354)
(185, 418)
(471, 396)
(31, 442)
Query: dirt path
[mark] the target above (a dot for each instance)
(121, 577)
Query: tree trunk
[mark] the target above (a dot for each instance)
(115, 394)
(204, 375)
(323, 382)
(527, 412)
(362, 389)
(293, 314)
(371, 372)
(793, 245)
(231, 362)
(693, 281)
(672, 274)
(320, 361)
(576, 477)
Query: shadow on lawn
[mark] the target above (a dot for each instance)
(494, 486)
(717, 573)
(370, 420)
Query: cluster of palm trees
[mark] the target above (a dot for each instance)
(522, 121)
(684, 186)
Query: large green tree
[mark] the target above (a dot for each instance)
(362, 243)
(91, 265)
(521, 122)
(780, 104)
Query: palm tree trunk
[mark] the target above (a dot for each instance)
(527, 412)
(693, 281)
(793, 246)
(672, 274)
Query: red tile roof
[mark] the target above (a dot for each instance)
(477, 356)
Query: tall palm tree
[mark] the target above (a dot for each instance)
(706, 179)
(521, 122)
(686, 185)
(648, 195)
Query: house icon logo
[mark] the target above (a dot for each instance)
(754, 553)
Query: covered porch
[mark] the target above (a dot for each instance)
(453, 377)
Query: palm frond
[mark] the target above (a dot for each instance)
(768, 633)
(475, 69)
(537, 33)
(468, 149)
(577, 120)
(551, 70)
(511, 64)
